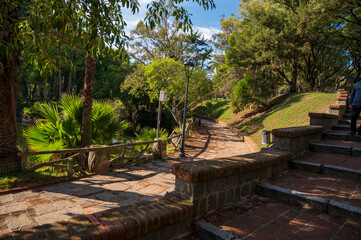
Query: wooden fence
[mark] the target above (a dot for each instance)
(68, 162)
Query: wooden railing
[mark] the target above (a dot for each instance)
(68, 162)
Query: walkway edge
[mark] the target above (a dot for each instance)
(208, 231)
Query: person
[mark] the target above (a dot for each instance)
(355, 105)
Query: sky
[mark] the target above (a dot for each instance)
(206, 22)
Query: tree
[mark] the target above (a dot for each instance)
(167, 40)
(62, 22)
(168, 75)
(59, 125)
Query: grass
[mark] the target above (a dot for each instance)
(288, 111)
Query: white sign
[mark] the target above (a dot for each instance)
(162, 96)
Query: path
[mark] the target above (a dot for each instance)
(118, 188)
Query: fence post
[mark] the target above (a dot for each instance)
(69, 167)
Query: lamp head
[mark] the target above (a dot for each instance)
(189, 64)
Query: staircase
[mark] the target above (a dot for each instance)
(318, 197)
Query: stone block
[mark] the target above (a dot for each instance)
(221, 199)
(212, 202)
(230, 196)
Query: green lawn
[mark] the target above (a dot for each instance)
(291, 112)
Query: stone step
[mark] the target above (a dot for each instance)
(328, 203)
(348, 111)
(329, 170)
(350, 148)
(335, 135)
(342, 127)
(348, 121)
(328, 159)
(347, 115)
(263, 218)
(341, 135)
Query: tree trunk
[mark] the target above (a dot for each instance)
(9, 86)
(86, 129)
(293, 87)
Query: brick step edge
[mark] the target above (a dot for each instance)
(208, 231)
(346, 150)
(342, 136)
(329, 170)
(168, 217)
(321, 204)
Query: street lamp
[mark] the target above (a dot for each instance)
(187, 66)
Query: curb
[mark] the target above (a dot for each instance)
(317, 203)
(330, 170)
(208, 231)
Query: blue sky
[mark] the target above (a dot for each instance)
(206, 22)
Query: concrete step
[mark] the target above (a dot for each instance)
(328, 203)
(341, 135)
(342, 127)
(328, 159)
(316, 191)
(350, 148)
(347, 115)
(329, 170)
(264, 218)
(348, 121)
(335, 135)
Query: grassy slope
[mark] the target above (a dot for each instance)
(291, 112)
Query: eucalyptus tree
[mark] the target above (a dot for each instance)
(87, 24)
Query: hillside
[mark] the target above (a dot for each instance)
(288, 111)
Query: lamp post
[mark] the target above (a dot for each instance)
(187, 66)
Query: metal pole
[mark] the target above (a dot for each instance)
(158, 121)
(181, 148)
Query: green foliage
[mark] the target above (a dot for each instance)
(288, 45)
(168, 75)
(149, 134)
(60, 126)
(250, 91)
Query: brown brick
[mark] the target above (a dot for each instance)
(93, 219)
(110, 227)
(120, 229)
(103, 232)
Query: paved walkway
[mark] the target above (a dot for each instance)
(118, 188)
(260, 218)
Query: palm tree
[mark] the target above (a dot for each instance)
(60, 125)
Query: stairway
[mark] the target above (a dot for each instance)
(318, 197)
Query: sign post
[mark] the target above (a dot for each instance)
(162, 98)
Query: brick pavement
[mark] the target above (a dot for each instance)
(263, 219)
(118, 188)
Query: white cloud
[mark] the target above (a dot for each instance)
(207, 32)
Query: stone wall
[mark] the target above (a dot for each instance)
(296, 139)
(212, 184)
(166, 218)
(323, 119)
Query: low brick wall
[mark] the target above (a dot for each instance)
(338, 109)
(212, 184)
(169, 217)
(296, 139)
(323, 119)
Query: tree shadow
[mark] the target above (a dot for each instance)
(212, 111)
(257, 117)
